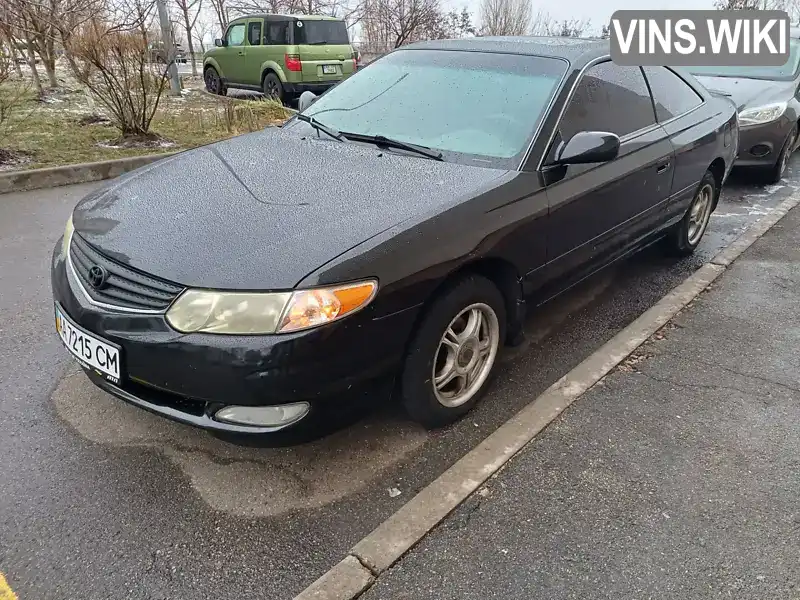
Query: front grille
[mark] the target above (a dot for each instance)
(124, 287)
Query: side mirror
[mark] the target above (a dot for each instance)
(306, 100)
(588, 147)
(219, 43)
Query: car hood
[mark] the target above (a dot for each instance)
(748, 93)
(264, 210)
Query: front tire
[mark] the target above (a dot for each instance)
(213, 82)
(686, 236)
(776, 173)
(452, 356)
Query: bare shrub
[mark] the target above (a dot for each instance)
(115, 66)
(12, 97)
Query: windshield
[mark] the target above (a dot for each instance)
(320, 32)
(472, 106)
(785, 71)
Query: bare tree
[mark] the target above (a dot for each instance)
(505, 17)
(572, 27)
(202, 28)
(792, 7)
(388, 24)
(190, 11)
(221, 11)
(543, 24)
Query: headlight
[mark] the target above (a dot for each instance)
(761, 114)
(68, 230)
(241, 313)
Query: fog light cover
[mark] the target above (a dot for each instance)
(263, 416)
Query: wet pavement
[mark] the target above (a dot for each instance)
(676, 477)
(100, 500)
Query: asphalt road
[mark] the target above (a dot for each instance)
(100, 500)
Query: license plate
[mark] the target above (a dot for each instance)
(329, 69)
(90, 351)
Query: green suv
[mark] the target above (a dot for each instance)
(280, 55)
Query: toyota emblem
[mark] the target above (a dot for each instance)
(98, 277)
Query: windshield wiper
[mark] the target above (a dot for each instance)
(380, 140)
(334, 133)
(319, 43)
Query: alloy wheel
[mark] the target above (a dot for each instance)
(466, 355)
(700, 213)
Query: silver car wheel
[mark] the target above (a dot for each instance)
(700, 213)
(466, 355)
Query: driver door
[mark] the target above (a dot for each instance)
(231, 57)
(598, 210)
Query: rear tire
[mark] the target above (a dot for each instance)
(686, 235)
(776, 172)
(272, 87)
(457, 343)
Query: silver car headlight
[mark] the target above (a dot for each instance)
(69, 229)
(761, 114)
(243, 313)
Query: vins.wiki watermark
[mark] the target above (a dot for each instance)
(700, 37)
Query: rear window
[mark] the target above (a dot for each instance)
(320, 32)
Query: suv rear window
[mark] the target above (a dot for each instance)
(320, 32)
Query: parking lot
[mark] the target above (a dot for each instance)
(102, 500)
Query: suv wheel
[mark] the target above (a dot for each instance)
(214, 82)
(272, 88)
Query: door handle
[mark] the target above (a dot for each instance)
(662, 168)
(241, 52)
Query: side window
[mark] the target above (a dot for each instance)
(236, 35)
(671, 94)
(277, 33)
(608, 98)
(254, 33)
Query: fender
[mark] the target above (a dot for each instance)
(271, 65)
(211, 61)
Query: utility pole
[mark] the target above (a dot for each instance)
(169, 48)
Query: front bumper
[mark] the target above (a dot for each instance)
(761, 145)
(189, 377)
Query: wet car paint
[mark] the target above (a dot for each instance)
(228, 221)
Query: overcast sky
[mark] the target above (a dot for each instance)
(599, 11)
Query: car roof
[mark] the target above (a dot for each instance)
(575, 50)
(283, 16)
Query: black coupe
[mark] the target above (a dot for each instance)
(396, 230)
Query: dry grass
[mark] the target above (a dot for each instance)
(54, 132)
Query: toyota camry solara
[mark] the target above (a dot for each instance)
(387, 239)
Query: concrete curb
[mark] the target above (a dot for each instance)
(379, 550)
(34, 179)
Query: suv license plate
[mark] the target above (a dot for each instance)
(329, 69)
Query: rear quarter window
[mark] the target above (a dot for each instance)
(671, 94)
(320, 32)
